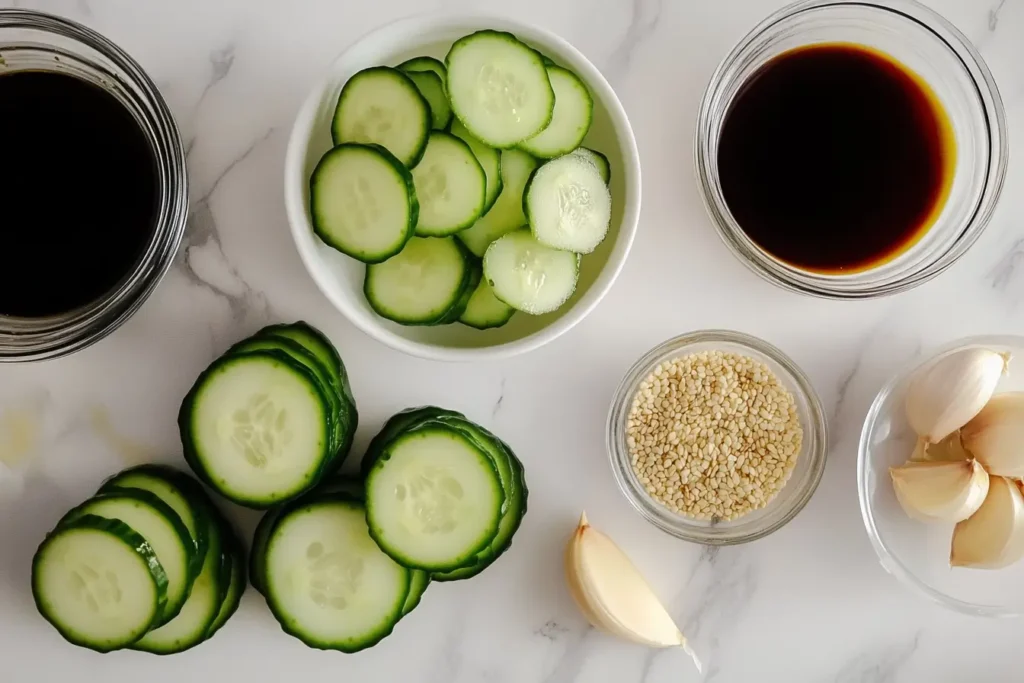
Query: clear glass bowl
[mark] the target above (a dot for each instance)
(35, 41)
(917, 553)
(794, 495)
(927, 44)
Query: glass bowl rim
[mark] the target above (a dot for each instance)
(816, 440)
(809, 283)
(889, 561)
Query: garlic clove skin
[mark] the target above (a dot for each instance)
(940, 491)
(996, 435)
(612, 594)
(944, 395)
(993, 537)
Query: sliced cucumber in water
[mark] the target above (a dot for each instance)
(327, 582)
(507, 213)
(425, 64)
(574, 111)
(433, 499)
(431, 87)
(451, 186)
(529, 276)
(484, 310)
(599, 160)
(257, 428)
(363, 202)
(382, 106)
(99, 583)
(499, 88)
(420, 285)
(490, 161)
(568, 204)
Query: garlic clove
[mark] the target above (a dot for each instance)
(613, 595)
(996, 435)
(950, 449)
(945, 395)
(940, 491)
(993, 537)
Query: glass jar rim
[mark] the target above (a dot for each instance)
(31, 339)
(714, 105)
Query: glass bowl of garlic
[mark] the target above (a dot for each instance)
(939, 473)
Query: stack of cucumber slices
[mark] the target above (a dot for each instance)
(463, 185)
(148, 563)
(270, 418)
(440, 499)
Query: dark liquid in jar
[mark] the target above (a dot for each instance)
(835, 158)
(78, 193)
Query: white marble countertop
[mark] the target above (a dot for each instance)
(809, 603)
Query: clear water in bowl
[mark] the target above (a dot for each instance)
(917, 552)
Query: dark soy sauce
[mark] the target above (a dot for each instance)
(78, 193)
(835, 159)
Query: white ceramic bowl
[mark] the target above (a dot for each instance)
(341, 278)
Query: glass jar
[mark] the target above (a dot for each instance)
(36, 41)
(794, 495)
(929, 46)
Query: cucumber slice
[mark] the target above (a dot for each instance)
(190, 627)
(299, 354)
(335, 487)
(431, 87)
(490, 161)
(398, 423)
(99, 583)
(162, 529)
(256, 428)
(529, 276)
(476, 274)
(317, 343)
(568, 204)
(362, 202)
(425, 64)
(166, 484)
(499, 88)
(574, 111)
(327, 582)
(418, 582)
(451, 186)
(233, 563)
(433, 499)
(484, 310)
(507, 213)
(510, 522)
(382, 106)
(420, 285)
(599, 160)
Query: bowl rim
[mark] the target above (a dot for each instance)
(775, 271)
(300, 227)
(889, 561)
(816, 437)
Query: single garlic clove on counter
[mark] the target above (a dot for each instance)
(993, 537)
(613, 595)
(940, 491)
(996, 435)
(946, 394)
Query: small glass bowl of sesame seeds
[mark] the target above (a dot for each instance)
(717, 437)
